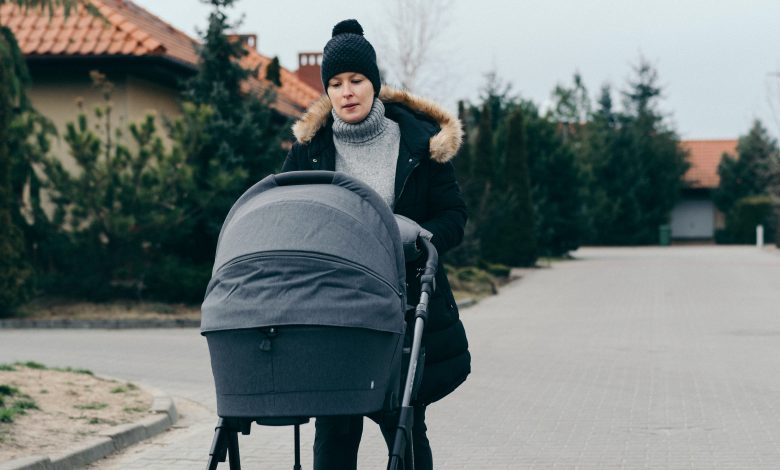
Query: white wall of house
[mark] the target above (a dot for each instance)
(133, 98)
(693, 219)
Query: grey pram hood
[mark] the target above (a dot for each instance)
(307, 248)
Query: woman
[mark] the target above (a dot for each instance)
(401, 146)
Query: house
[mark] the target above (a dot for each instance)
(143, 56)
(695, 217)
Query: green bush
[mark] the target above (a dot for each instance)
(175, 280)
(747, 213)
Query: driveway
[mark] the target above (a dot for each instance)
(622, 358)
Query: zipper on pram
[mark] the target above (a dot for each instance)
(320, 256)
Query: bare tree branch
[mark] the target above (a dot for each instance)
(410, 46)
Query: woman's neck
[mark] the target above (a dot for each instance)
(364, 131)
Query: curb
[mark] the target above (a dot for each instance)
(163, 416)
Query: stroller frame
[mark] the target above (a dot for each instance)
(225, 442)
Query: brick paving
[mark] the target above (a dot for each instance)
(662, 358)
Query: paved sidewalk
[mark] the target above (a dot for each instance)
(625, 358)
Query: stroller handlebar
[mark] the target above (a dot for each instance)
(431, 264)
(304, 177)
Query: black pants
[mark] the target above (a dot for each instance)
(336, 440)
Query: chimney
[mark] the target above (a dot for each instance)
(309, 69)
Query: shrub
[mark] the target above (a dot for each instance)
(747, 213)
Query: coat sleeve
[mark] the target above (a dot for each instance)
(291, 162)
(446, 208)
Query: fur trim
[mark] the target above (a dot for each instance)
(443, 146)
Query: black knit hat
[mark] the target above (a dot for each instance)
(349, 51)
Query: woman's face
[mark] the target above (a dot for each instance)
(352, 96)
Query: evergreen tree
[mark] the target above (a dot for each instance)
(16, 118)
(480, 192)
(753, 173)
(15, 271)
(463, 159)
(635, 165)
(273, 73)
(482, 164)
(556, 186)
(512, 241)
(118, 210)
(467, 253)
(571, 108)
(242, 136)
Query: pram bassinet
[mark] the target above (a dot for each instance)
(304, 315)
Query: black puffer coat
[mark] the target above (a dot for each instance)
(425, 191)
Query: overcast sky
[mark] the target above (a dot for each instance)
(715, 58)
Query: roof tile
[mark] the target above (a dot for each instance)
(129, 47)
(46, 46)
(84, 20)
(116, 46)
(59, 47)
(28, 22)
(88, 46)
(74, 46)
(30, 45)
(102, 46)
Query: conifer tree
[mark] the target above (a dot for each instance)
(635, 164)
(482, 167)
(463, 159)
(15, 271)
(512, 240)
(273, 73)
(754, 173)
(467, 253)
(242, 136)
(480, 192)
(556, 186)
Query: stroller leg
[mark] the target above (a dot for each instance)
(233, 458)
(297, 465)
(218, 450)
(402, 455)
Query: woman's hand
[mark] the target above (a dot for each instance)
(410, 232)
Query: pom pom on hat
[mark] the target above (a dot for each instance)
(347, 26)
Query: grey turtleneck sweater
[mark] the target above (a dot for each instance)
(368, 150)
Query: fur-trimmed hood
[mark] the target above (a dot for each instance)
(443, 145)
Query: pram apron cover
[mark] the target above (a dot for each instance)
(307, 254)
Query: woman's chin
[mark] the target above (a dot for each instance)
(352, 116)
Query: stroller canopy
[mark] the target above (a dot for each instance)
(307, 248)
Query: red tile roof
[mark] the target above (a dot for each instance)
(126, 29)
(129, 30)
(293, 96)
(704, 157)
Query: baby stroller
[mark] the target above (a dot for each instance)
(305, 314)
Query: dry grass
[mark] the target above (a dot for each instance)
(50, 410)
(57, 308)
